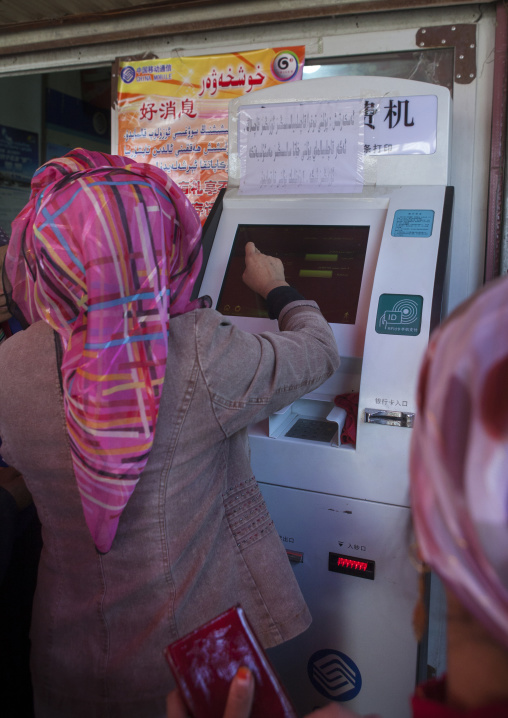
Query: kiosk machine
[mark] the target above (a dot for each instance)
(345, 179)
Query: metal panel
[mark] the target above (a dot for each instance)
(367, 622)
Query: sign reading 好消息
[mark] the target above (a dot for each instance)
(173, 113)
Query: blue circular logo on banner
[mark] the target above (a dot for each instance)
(334, 675)
(128, 74)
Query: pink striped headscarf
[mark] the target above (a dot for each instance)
(459, 457)
(105, 251)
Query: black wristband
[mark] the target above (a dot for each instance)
(279, 297)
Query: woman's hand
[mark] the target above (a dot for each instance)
(262, 272)
(239, 703)
(334, 710)
(175, 707)
(241, 696)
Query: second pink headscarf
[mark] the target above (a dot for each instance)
(459, 457)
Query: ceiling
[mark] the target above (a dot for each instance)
(43, 13)
(31, 26)
(35, 14)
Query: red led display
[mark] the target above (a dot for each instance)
(351, 566)
(349, 563)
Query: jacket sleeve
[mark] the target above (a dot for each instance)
(250, 376)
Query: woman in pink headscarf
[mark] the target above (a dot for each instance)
(459, 495)
(126, 411)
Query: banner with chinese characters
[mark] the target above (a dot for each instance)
(173, 113)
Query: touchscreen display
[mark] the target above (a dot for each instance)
(324, 263)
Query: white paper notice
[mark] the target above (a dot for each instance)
(294, 148)
(401, 125)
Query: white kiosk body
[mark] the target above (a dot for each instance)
(371, 250)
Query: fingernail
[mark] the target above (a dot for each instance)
(243, 674)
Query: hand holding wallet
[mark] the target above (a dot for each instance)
(205, 661)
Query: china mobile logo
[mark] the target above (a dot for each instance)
(128, 73)
(334, 675)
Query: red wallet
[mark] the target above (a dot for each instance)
(204, 662)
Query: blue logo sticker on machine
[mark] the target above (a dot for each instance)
(413, 223)
(399, 314)
(334, 675)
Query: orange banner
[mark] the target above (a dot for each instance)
(173, 113)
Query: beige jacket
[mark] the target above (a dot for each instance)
(195, 537)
